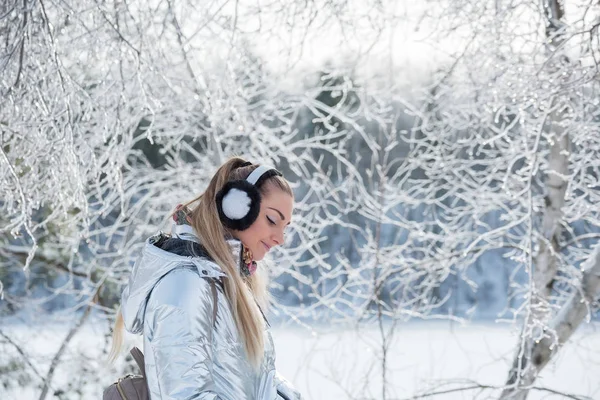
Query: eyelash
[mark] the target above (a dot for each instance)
(271, 221)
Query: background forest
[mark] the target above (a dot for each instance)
(444, 155)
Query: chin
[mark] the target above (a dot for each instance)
(260, 252)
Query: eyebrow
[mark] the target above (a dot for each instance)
(280, 214)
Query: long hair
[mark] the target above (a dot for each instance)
(242, 293)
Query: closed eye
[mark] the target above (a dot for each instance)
(271, 221)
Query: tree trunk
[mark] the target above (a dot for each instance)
(563, 325)
(526, 364)
(523, 373)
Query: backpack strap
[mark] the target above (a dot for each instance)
(138, 356)
(213, 288)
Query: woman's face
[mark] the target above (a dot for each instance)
(268, 230)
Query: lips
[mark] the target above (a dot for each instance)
(267, 247)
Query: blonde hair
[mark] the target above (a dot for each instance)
(242, 293)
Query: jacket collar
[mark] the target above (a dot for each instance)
(186, 232)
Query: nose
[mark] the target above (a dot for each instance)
(278, 238)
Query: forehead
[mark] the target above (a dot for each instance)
(280, 200)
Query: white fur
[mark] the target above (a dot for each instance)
(236, 204)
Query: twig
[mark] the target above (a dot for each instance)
(22, 353)
(492, 387)
(63, 347)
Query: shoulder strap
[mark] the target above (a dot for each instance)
(138, 356)
(263, 314)
(213, 288)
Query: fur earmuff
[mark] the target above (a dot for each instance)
(238, 204)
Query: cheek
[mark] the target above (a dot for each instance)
(255, 233)
(261, 229)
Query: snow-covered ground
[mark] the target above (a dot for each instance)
(427, 357)
(346, 364)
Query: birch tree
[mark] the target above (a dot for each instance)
(542, 333)
(531, 68)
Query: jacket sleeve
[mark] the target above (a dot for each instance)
(178, 328)
(286, 389)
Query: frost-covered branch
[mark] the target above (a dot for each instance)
(444, 156)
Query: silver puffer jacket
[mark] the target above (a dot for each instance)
(169, 300)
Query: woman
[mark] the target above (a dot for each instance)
(198, 297)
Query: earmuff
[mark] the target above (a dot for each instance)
(238, 202)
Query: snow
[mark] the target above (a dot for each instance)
(345, 364)
(422, 357)
(388, 120)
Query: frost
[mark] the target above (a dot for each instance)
(429, 184)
